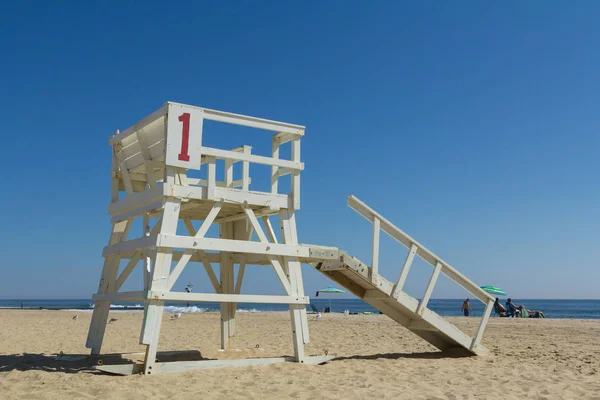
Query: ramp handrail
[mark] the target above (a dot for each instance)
(416, 249)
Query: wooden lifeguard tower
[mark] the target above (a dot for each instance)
(153, 163)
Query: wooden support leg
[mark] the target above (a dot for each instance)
(153, 313)
(294, 271)
(227, 287)
(146, 258)
(107, 284)
(159, 280)
(240, 231)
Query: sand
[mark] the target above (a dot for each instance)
(541, 359)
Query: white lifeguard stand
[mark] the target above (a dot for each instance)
(151, 163)
(152, 179)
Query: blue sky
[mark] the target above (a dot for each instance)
(474, 127)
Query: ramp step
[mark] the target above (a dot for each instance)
(377, 291)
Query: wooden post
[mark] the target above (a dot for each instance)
(482, 324)
(295, 176)
(274, 169)
(297, 312)
(229, 174)
(107, 284)
(404, 273)
(239, 231)
(147, 265)
(246, 169)
(153, 310)
(227, 287)
(429, 290)
(211, 179)
(114, 189)
(375, 252)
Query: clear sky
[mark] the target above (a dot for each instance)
(472, 126)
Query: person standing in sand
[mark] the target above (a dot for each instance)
(466, 307)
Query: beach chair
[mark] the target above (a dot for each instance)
(314, 309)
(523, 313)
(499, 312)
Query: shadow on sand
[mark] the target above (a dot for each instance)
(431, 355)
(83, 363)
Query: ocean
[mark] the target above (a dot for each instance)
(583, 309)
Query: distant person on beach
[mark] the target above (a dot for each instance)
(499, 308)
(466, 307)
(525, 313)
(511, 309)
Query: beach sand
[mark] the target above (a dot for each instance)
(377, 358)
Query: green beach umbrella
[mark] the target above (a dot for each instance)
(329, 289)
(493, 290)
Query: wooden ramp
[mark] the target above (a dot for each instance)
(365, 282)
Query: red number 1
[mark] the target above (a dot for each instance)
(185, 137)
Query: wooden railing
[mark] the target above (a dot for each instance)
(416, 249)
(131, 152)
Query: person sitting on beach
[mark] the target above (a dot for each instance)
(525, 313)
(511, 309)
(466, 308)
(499, 308)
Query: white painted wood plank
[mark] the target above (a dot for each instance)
(232, 155)
(484, 320)
(295, 177)
(270, 230)
(154, 308)
(250, 259)
(246, 169)
(239, 246)
(260, 199)
(263, 238)
(139, 125)
(178, 269)
(284, 137)
(252, 122)
(211, 179)
(375, 250)
(181, 366)
(206, 224)
(405, 269)
(209, 271)
(421, 325)
(146, 253)
(135, 295)
(226, 298)
(261, 212)
(298, 315)
(128, 268)
(429, 289)
(240, 277)
(203, 257)
(109, 274)
(134, 200)
(134, 244)
(274, 169)
(226, 274)
(137, 211)
(221, 184)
